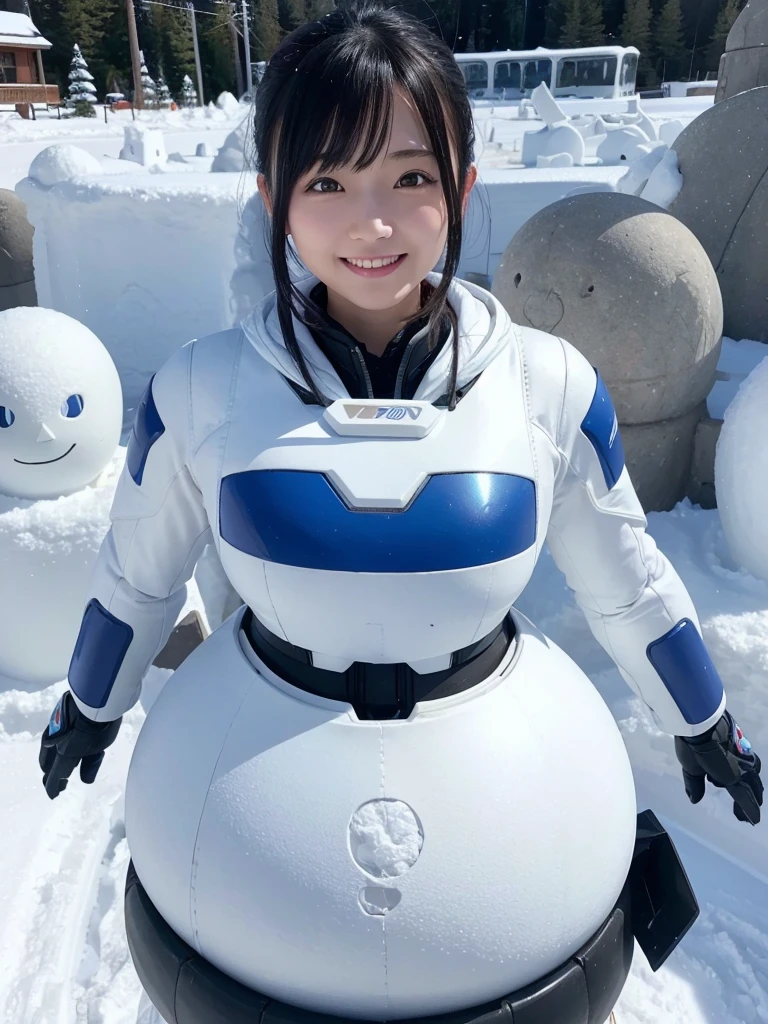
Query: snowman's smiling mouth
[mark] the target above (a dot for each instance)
(45, 462)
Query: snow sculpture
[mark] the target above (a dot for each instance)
(741, 474)
(358, 812)
(81, 87)
(226, 101)
(60, 404)
(145, 146)
(17, 277)
(623, 143)
(633, 289)
(723, 159)
(61, 163)
(231, 156)
(744, 65)
(563, 138)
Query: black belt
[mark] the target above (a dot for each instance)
(656, 906)
(380, 691)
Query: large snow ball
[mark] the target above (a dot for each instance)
(744, 65)
(630, 287)
(381, 869)
(723, 158)
(62, 163)
(61, 407)
(17, 276)
(741, 474)
(47, 553)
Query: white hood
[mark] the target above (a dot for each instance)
(484, 329)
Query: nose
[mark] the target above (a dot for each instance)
(369, 228)
(46, 434)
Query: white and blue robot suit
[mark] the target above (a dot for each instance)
(384, 548)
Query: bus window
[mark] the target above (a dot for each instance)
(536, 72)
(506, 76)
(596, 72)
(476, 76)
(566, 74)
(629, 72)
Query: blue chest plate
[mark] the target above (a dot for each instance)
(455, 521)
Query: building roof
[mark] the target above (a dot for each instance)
(18, 30)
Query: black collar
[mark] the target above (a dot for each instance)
(397, 373)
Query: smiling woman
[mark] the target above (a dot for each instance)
(60, 404)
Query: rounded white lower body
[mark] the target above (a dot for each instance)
(381, 869)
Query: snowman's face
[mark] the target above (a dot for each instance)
(60, 404)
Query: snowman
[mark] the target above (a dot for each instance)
(61, 412)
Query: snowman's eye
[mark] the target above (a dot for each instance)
(6, 417)
(72, 407)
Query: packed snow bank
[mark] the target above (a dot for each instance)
(174, 239)
(62, 162)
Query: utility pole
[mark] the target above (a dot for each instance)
(193, 22)
(236, 50)
(247, 41)
(138, 94)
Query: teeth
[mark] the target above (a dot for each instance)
(368, 264)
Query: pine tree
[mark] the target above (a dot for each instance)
(635, 30)
(266, 29)
(188, 92)
(570, 32)
(81, 87)
(164, 98)
(668, 42)
(726, 16)
(177, 51)
(148, 87)
(592, 27)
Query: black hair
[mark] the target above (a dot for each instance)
(327, 92)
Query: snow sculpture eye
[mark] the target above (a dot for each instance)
(72, 407)
(6, 417)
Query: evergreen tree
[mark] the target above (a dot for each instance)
(635, 30)
(592, 27)
(177, 51)
(188, 92)
(726, 16)
(164, 98)
(216, 54)
(570, 32)
(81, 87)
(266, 29)
(554, 21)
(148, 87)
(668, 41)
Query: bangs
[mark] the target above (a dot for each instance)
(338, 110)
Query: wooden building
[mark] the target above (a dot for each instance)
(22, 79)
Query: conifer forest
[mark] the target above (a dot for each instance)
(678, 39)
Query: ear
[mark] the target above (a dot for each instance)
(261, 184)
(471, 179)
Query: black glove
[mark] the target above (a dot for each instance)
(724, 756)
(71, 739)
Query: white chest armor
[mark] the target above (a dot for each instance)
(377, 548)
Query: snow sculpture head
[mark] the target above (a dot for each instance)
(61, 406)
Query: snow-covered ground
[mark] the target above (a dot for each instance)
(62, 865)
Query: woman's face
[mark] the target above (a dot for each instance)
(393, 209)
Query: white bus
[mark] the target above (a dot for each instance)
(606, 72)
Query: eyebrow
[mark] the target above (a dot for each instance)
(406, 154)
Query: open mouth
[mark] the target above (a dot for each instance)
(378, 271)
(45, 462)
